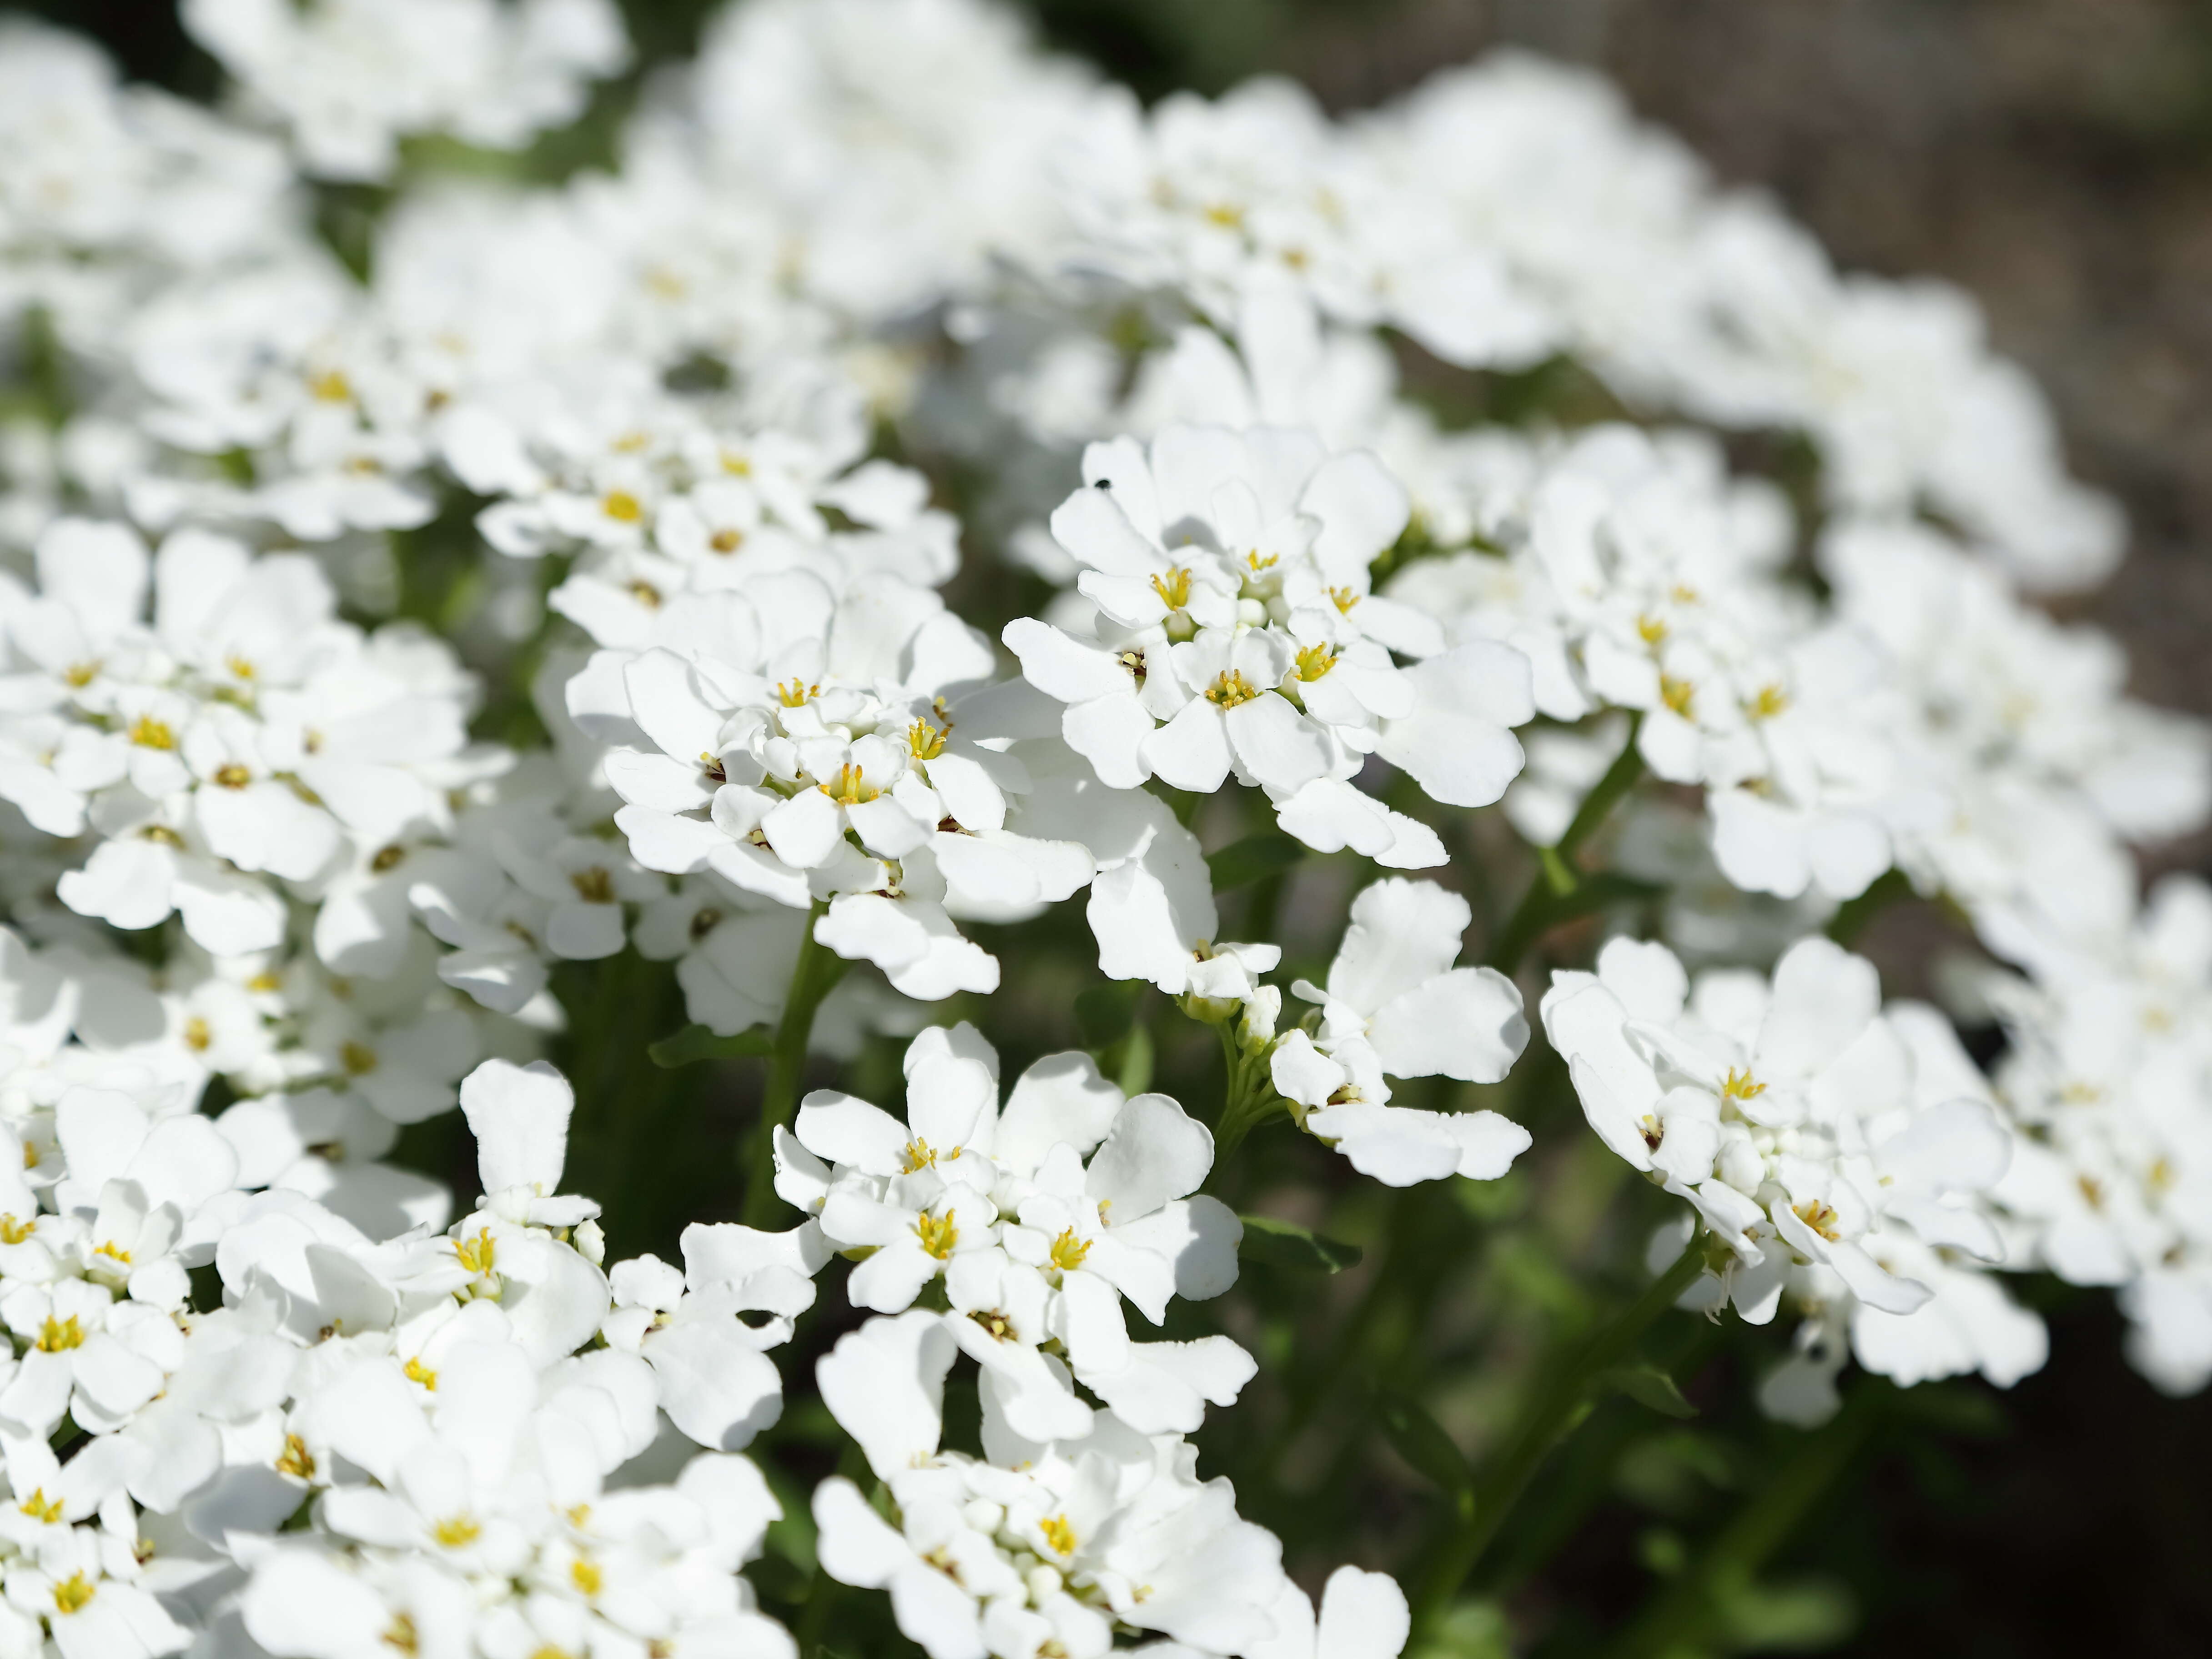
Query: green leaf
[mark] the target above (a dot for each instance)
(1414, 1435)
(696, 1042)
(1257, 856)
(1797, 1615)
(1103, 1013)
(1647, 1385)
(1286, 1244)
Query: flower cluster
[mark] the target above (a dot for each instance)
(458, 621)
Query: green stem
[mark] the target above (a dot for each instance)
(1248, 1097)
(813, 976)
(1745, 1544)
(1547, 1413)
(1556, 879)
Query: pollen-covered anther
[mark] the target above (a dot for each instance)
(917, 1154)
(476, 1253)
(149, 734)
(937, 1233)
(1771, 700)
(795, 691)
(1820, 1217)
(850, 787)
(1740, 1085)
(1174, 588)
(1068, 1251)
(924, 740)
(1315, 661)
(1058, 1532)
(1231, 688)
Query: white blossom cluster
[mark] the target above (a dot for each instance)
(597, 571)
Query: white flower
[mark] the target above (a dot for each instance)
(1395, 1004)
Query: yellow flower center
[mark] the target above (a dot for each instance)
(727, 541)
(456, 1530)
(82, 674)
(1315, 661)
(1771, 700)
(401, 1634)
(622, 506)
(40, 1508)
(197, 1035)
(1820, 1217)
(1650, 629)
(232, 775)
(388, 858)
(1174, 588)
(297, 1460)
(1676, 694)
(149, 734)
(645, 593)
(918, 1154)
(13, 1232)
(1739, 1085)
(1231, 688)
(416, 1371)
(330, 386)
(937, 1233)
(72, 1594)
(357, 1058)
(926, 742)
(1344, 598)
(1059, 1533)
(594, 885)
(58, 1334)
(795, 691)
(1068, 1250)
(112, 1251)
(585, 1576)
(475, 1254)
(850, 787)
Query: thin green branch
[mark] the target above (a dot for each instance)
(1551, 1408)
(1548, 899)
(813, 976)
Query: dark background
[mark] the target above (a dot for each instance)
(2054, 157)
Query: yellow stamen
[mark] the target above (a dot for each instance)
(82, 674)
(1174, 588)
(1820, 1217)
(925, 741)
(1771, 700)
(938, 1234)
(197, 1035)
(297, 1461)
(475, 1254)
(456, 1530)
(586, 1577)
(1344, 598)
(417, 1372)
(1059, 1533)
(1676, 694)
(622, 506)
(795, 691)
(727, 541)
(72, 1594)
(358, 1059)
(1650, 629)
(232, 775)
(1315, 661)
(1739, 1085)
(1068, 1250)
(40, 1508)
(918, 1154)
(149, 734)
(850, 787)
(1231, 688)
(645, 593)
(330, 386)
(112, 1251)
(60, 1335)
(594, 885)
(13, 1232)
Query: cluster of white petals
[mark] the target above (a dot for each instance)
(906, 490)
